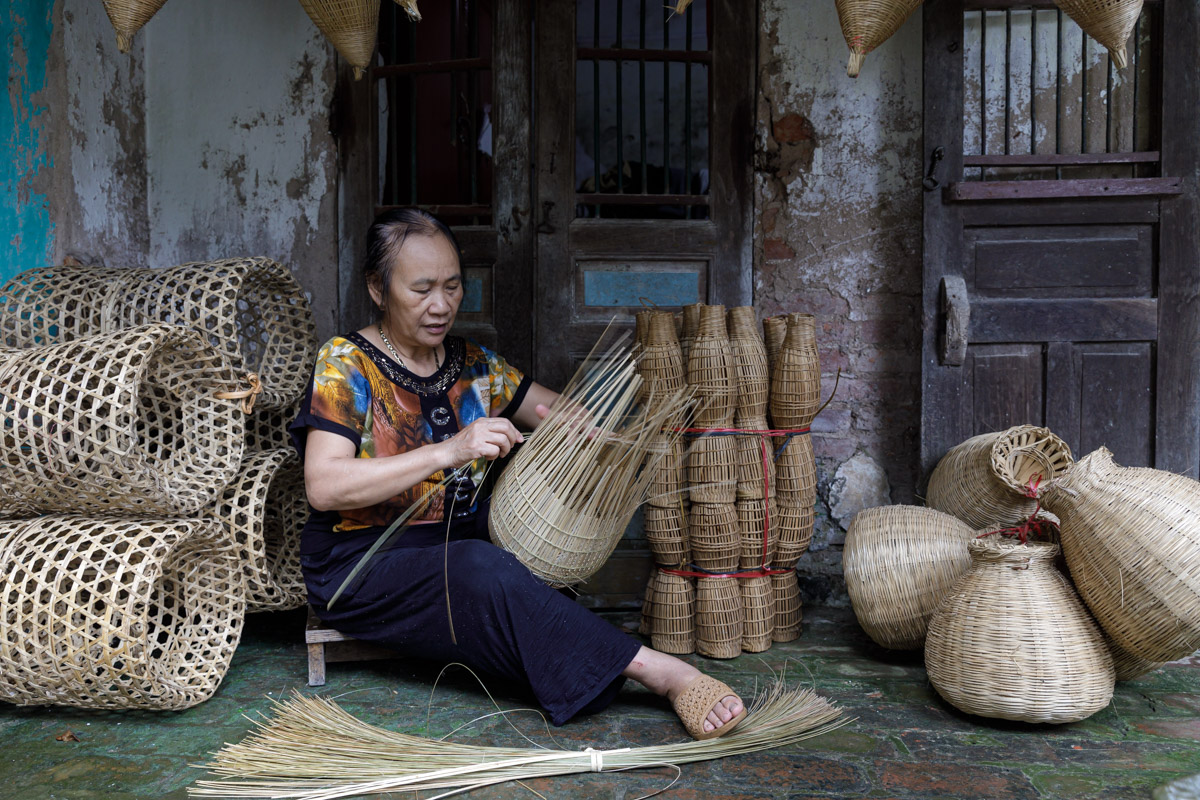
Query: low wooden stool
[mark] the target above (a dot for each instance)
(327, 645)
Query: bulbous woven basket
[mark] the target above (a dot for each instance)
(673, 614)
(755, 457)
(1012, 640)
(127, 421)
(866, 24)
(985, 480)
(711, 371)
(796, 380)
(756, 517)
(666, 533)
(712, 469)
(50, 305)
(128, 17)
(117, 613)
(789, 611)
(794, 533)
(758, 613)
(1132, 541)
(713, 536)
(263, 511)
(1128, 666)
(1109, 22)
(719, 621)
(750, 363)
(899, 563)
(351, 25)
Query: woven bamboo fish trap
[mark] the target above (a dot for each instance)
(641, 324)
(689, 324)
(1012, 640)
(128, 421)
(660, 361)
(563, 503)
(985, 480)
(794, 534)
(713, 536)
(755, 468)
(668, 484)
(646, 626)
(750, 362)
(267, 428)
(796, 471)
(50, 305)
(666, 533)
(789, 611)
(899, 563)
(866, 24)
(351, 25)
(711, 371)
(1109, 22)
(718, 617)
(128, 17)
(1132, 541)
(758, 614)
(263, 511)
(712, 469)
(774, 332)
(754, 518)
(796, 381)
(673, 614)
(117, 613)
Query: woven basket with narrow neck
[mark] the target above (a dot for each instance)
(128, 17)
(660, 361)
(774, 332)
(866, 24)
(711, 371)
(689, 324)
(755, 457)
(667, 535)
(1012, 640)
(1109, 22)
(750, 362)
(1132, 541)
(794, 532)
(796, 381)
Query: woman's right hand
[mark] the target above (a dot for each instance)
(487, 437)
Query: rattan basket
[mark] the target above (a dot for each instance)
(796, 380)
(711, 371)
(673, 614)
(351, 25)
(866, 24)
(758, 614)
(755, 460)
(1012, 640)
(712, 469)
(774, 332)
(794, 533)
(796, 471)
(756, 517)
(689, 324)
(985, 480)
(125, 422)
(789, 611)
(117, 613)
(1128, 666)
(660, 362)
(128, 17)
(50, 305)
(899, 563)
(263, 510)
(750, 363)
(718, 617)
(1109, 22)
(668, 483)
(1132, 541)
(713, 536)
(667, 535)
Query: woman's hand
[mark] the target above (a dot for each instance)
(489, 437)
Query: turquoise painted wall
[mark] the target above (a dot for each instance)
(26, 233)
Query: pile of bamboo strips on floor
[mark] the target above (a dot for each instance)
(727, 528)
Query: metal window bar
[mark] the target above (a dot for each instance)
(642, 89)
(687, 117)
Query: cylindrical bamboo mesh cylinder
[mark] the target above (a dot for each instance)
(758, 614)
(774, 331)
(712, 469)
(796, 381)
(117, 613)
(796, 471)
(750, 362)
(267, 428)
(690, 317)
(673, 614)
(755, 457)
(713, 536)
(668, 484)
(719, 622)
(789, 612)
(667, 534)
(758, 520)
(51, 305)
(794, 534)
(710, 368)
(660, 361)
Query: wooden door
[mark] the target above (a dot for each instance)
(1060, 281)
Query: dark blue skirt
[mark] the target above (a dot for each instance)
(507, 623)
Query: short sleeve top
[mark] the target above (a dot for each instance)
(359, 393)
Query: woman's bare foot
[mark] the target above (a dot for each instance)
(668, 676)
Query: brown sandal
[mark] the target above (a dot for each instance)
(697, 699)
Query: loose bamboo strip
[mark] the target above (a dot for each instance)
(718, 617)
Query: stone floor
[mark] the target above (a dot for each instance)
(904, 741)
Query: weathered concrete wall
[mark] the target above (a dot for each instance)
(839, 235)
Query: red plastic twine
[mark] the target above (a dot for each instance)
(1032, 525)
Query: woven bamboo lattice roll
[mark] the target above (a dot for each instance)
(689, 324)
(1132, 541)
(712, 469)
(251, 309)
(667, 534)
(124, 422)
(263, 511)
(755, 468)
(709, 370)
(49, 305)
(755, 515)
(794, 534)
(985, 480)
(758, 614)
(866, 24)
(899, 563)
(660, 361)
(673, 614)
(750, 362)
(266, 428)
(128, 17)
(789, 611)
(796, 381)
(774, 331)
(713, 536)
(668, 483)
(718, 617)
(564, 502)
(1109, 22)
(796, 471)
(1012, 640)
(117, 613)
(351, 25)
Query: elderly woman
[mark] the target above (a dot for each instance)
(391, 409)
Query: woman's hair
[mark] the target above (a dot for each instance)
(390, 231)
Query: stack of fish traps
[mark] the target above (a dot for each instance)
(1032, 581)
(727, 528)
(149, 500)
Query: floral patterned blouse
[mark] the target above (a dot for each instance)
(358, 392)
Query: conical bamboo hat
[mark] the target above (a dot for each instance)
(128, 16)
(1109, 22)
(352, 26)
(866, 24)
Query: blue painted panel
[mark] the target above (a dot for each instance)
(622, 288)
(26, 233)
(472, 302)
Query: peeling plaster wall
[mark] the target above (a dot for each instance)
(838, 168)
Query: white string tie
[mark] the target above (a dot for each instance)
(597, 757)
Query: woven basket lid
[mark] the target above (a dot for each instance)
(351, 25)
(128, 16)
(1109, 22)
(866, 24)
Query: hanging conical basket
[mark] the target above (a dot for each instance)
(866, 24)
(116, 613)
(985, 480)
(758, 614)
(1132, 541)
(710, 369)
(673, 614)
(128, 17)
(789, 611)
(796, 381)
(750, 362)
(127, 422)
(899, 563)
(351, 25)
(666, 533)
(1012, 640)
(1109, 22)
(719, 621)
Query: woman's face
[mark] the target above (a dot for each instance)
(423, 292)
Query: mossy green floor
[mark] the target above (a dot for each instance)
(905, 741)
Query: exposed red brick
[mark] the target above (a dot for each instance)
(792, 128)
(777, 250)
